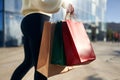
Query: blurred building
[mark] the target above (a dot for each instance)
(92, 14)
(113, 31)
(10, 18)
(115, 27)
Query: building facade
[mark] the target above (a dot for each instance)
(10, 18)
(90, 12)
(1, 22)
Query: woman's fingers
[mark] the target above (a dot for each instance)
(70, 9)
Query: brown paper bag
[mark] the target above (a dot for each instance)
(44, 65)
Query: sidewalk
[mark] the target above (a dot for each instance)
(105, 67)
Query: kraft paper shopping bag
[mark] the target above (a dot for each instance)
(44, 65)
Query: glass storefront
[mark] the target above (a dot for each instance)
(12, 5)
(1, 5)
(13, 35)
(1, 23)
(90, 12)
(1, 15)
(10, 33)
(12, 19)
(1, 29)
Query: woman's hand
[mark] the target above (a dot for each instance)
(70, 9)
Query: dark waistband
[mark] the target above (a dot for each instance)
(38, 14)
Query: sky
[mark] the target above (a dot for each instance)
(113, 11)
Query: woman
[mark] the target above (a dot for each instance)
(36, 12)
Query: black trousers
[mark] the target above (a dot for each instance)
(31, 27)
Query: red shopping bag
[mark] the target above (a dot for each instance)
(77, 46)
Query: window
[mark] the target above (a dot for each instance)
(12, 32)
(1, 29)
(1, 21)
(17, 5)
(9, 5)
(1, 5)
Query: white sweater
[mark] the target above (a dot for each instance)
(46, 7)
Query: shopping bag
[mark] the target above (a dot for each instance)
(77, 46)
(44, 66)
(58, 56)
